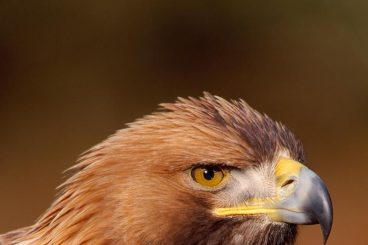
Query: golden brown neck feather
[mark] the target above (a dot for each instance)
(129, 180)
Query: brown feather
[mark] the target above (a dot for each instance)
(130, 189)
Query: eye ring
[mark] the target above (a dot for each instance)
(208, 176)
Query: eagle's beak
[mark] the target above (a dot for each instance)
(302, 198)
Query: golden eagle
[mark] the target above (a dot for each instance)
(198, 171)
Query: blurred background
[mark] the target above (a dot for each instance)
(73, 72)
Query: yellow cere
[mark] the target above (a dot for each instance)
(285, 169)
(209, 176)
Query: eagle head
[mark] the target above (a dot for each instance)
(198, 171)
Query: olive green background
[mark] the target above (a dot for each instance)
(73, 72)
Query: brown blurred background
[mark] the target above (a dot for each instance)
(73, 72)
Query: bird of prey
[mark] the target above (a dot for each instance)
(199, 171)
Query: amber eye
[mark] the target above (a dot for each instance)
(209, 176)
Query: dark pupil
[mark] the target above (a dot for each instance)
(208, 174)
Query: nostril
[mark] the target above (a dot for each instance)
(288, 182)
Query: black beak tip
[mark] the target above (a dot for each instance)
(326, 234)
(326, 228)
